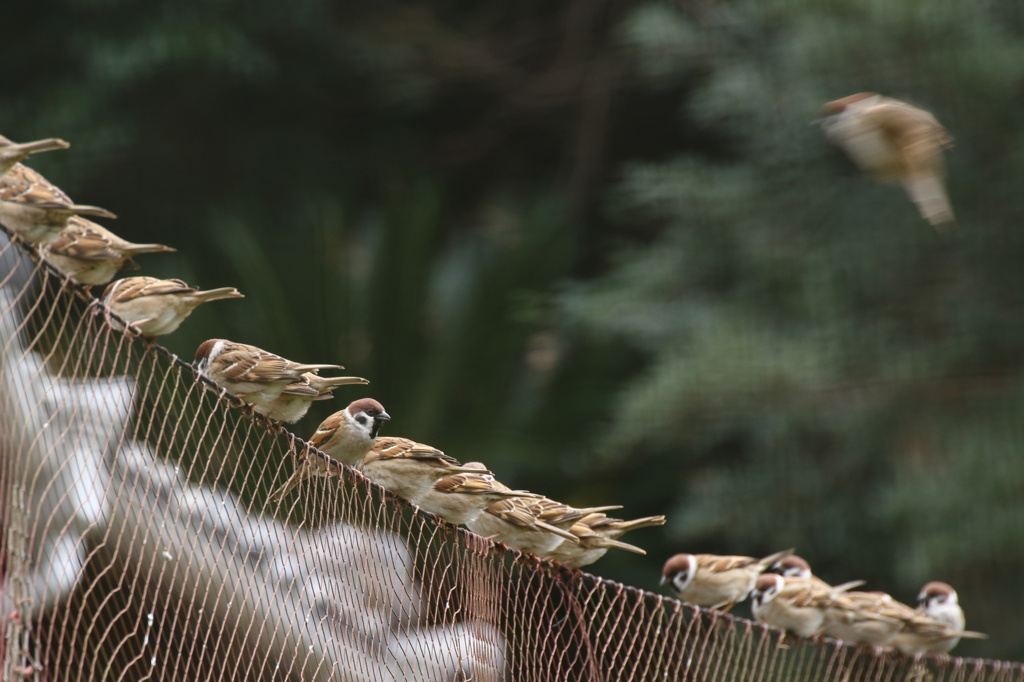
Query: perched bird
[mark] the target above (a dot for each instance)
(12, 153)
(870, 618)
(793, 566)
(90, 254)
(715, 581)
(793, 603)
(407, 468)
(346, 436)
(893, 141)
(460, 498)
(922, 634)
(349, 434)
(297, 397)
(796, 605)
(597, 533)
(248, 372)
(34, 208)
(158, 306)
(940, 601)
(939, 623)
(531, 525)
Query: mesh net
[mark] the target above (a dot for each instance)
(140, 543)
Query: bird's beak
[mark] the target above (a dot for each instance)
(384, 416)
(664, 579)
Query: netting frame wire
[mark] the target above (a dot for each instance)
(838, 657)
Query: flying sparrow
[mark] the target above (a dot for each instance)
(345, 437)
(793, 566)
(158, 306)
(297, 397)
(90, 254)
(460, 498)
(12, 153)
(597, 533)
(939, 625)
(870, 618)
(248, 372)
(531, 525)
(407, 468)
(893, 141)
(34, 208)
(715, 581)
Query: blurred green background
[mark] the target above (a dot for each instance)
(599, 246)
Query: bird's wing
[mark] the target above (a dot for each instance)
(393, 448)
(248, 364)
(82, 242)
(21, 183)
(301, 387)
(915, 131)
(326, 430)
(138, 287)
(717, 564)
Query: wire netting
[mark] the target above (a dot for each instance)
(140, 543)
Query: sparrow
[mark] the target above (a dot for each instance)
(460, 498)
(407, 468)
(939, 624)
(248, 372)
(597, 533)
(794, 603)
(922, 634)
(891, 140)
(531, 525)
(940, 601)
(297, 397)
(12, 153)
(90, 254)
(158, 306)
(345, 437)
(349, 434)
(715, 581)
(870, 618)
(793, 566)
(34, 208)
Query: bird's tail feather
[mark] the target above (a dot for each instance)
(217, 294)
(609, 543)
(47, 145)
(557, 531)
(929, 194)
(645, 522)
(148, 248)
(83, 209)
(73, 209)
